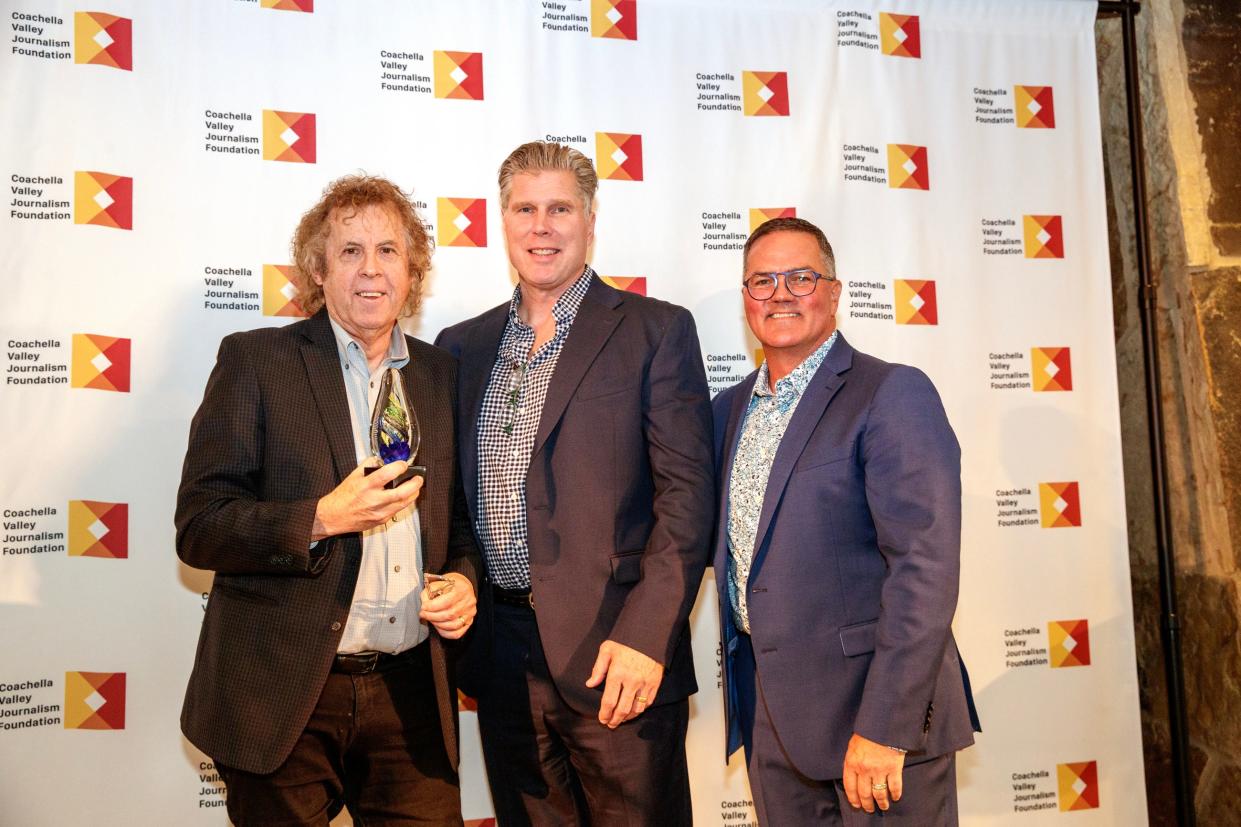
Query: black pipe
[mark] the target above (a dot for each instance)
(1148, 308)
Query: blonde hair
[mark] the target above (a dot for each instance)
(545, 156)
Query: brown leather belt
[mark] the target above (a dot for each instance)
(513, 597)
(362, 663)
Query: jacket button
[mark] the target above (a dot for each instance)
(336, 626)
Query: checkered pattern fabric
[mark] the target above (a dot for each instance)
(512, 406)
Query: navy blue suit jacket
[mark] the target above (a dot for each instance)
(855, 573)
(618, 491)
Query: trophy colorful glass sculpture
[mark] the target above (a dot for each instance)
(394, 428)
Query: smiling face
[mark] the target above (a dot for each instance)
(548, 230)
(367, 274)
(790, 327)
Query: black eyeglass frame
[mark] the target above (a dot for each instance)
(775, 281)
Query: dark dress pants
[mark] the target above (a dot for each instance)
(783, 796)
(373, 744)
(549, 765)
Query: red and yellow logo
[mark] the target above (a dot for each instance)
(465, 703)
(630, 284)
(459, 75)
(1051, 369)
(1034, 107)
(618, 156)
(765, 93)
(103, 199)
(289, 136)
(462, 222)
(900, 35)
(307, 6)
(907, 167)
(103, 39)
(94, 700)
(480, 822)
(1044, 236)
(98, 529)
(759, 356)
(617, 19)
(915, 301)
(279, 291)
(761, 215)
(1069, 642)
(1079, 785)
(1060, 504)
(100, 362)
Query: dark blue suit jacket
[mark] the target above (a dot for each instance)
(854, 579)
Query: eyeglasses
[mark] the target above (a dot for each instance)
(762, 286)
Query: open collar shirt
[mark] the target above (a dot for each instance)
(386, 600)
(766, 419)
(509, 420)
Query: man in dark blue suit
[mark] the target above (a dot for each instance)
(837, 561)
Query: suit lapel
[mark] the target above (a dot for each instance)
(810, 409)
(732, 433)
(592, 327)
(478, 357)
(322, 360)
(421, 395)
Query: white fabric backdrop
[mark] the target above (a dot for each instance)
(824, 108)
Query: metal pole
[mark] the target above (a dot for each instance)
(1149, 307)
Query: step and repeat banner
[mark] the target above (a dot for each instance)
(158, 156)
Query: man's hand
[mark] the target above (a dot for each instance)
(632, 681)
(449, 605)
(868, 764)
(361, 502)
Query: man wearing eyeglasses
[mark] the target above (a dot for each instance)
(837, 561)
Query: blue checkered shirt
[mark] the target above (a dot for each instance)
(512, 407)
(766, 419)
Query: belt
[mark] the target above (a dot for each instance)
(513, 597)
(362, 663)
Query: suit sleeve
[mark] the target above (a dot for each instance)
(221, 522)
(677, 426)
(912, 466)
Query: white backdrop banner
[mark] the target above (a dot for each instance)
(158, 156)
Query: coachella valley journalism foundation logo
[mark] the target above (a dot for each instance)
(761, 215)
(907, 167)
(915, 302)
(1051, 369)
(617, 19)
(1078, 785)
(459, 75)
(1034, 107)
(618, 156)
(1060, 504)
(461, 222)
(289, 136)
(103, 199)
(100, 362)
(1044, 236)
(94, 700)
(98, 529)
(279, 291)
(103, 40)
(307, 6)
(765, 93)
(900, 35)
(1068, 643)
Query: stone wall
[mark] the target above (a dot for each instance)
(1190, 66)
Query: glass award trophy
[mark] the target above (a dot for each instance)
(394, 428)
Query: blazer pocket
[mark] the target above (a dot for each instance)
(858, 639)
(627, 567)
(818, 459)
(243, 595)
(601, 390)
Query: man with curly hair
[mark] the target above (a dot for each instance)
(320, 680)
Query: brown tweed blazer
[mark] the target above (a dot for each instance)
(271, 437)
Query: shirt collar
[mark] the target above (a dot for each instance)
(398, 349)
(794, 385)
(566, 306)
